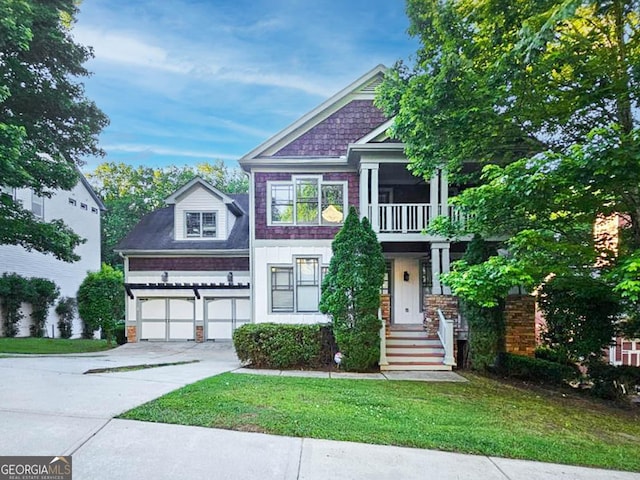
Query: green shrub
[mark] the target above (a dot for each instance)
(13, 292)
(101, 300)
(611, 382)
(271, 345)
(66, 310)
(120, 333)
(535, 369)
(41, 294)
(360, 345)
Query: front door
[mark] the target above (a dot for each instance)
(406, 291)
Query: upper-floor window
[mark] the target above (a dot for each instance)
(307, 200)
(37, 205)
(200, 224)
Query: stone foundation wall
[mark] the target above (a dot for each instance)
(449, 306)
(520, 325)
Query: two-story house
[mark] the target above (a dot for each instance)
(302, 182)
(79, 208)
(187, 267)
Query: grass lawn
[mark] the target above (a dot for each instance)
(51, 345)
(483, 416)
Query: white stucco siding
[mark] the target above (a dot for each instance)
(68, 276)
(283, 255)
(201, 200)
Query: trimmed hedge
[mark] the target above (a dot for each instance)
(613, 383)
(534, 369)
(282, 346)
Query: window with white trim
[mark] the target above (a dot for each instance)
(296, 288)
(37, 205)
(307, 200)
(200, 225)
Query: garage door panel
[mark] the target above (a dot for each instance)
(153, 308)
(220, 309)
(181, 330)
(153, 330)
(180, 309)
(219, 330)
(224, 315)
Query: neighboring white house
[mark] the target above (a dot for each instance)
(80, 209)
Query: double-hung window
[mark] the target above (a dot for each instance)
(37, 205)
(307, 200)
(200, 224)
(296, 288)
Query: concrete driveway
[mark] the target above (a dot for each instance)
(49, 406)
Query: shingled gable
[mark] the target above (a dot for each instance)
(198, 181)
(326, 132)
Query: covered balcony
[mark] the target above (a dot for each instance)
(401, 206)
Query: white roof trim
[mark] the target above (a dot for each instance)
(171, 199)
(317, 115)
(381, 132)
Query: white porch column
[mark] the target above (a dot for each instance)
(364, 192)
(434, 196)
(435, 269)
(375, 211)
(446, 265)
(444, 193)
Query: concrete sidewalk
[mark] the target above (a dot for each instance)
(441, 376)
(131, 450)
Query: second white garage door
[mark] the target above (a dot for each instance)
(223, 315)
(166, 318)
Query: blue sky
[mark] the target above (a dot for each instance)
(186, 81)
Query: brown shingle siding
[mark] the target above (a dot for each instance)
(188, 264)
(331, 137)
(281, 232)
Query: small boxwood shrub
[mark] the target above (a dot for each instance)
(613, 383)
(282, 346)
(535, 369)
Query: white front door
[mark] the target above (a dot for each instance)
(406, 291)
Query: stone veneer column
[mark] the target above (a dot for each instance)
(449, 306)
(131, 334)
(199, 333)
(520, 330)
(385, 309)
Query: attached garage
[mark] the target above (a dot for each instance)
(222, 315)
(166, 319)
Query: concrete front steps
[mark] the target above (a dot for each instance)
(409, 348)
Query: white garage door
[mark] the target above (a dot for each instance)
(166, 318)
(224, 315)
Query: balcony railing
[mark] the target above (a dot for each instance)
(409, 217)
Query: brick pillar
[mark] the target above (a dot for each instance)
(199, 333)
(131, 334)
(520, 325)
(449, 306)
(385, 310)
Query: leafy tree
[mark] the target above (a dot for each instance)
(351, 292)
(41, 294)
(130, 192)
(66, 310)
(13, 292)
(580, 313)
(546, 94)
(47, 125)
(101, 300)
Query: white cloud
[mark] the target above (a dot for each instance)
(160, 150)
(210, 65)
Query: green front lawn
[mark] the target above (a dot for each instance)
(483, 416)
(51, 345)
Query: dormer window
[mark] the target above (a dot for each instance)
(200, 225)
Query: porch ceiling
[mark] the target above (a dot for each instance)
(397, 174)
